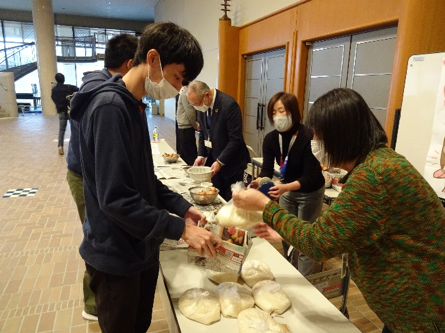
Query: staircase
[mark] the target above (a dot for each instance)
(21, 60)
(23, 70)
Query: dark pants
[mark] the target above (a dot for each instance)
(186, 145)
(63, 120)
(223, 184)
(124, 303)
(386, 330)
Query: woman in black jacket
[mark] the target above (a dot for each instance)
(301, 187)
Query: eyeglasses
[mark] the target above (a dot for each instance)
(200, 102)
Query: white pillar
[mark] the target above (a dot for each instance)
(43, 20)
(8, 101)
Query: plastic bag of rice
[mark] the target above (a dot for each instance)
(234, 298)
(254, 271)
(257, 321)
(270, 297)
(200, 305)
(221, 277)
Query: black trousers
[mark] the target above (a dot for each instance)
(223, 184)
(124, 303)
(186, 145)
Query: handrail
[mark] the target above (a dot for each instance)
(78, 48)
(17, 46)
(21, 55)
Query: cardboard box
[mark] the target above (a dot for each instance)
(230, 255)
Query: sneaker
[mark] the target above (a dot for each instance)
(60, 150)
(88, 316)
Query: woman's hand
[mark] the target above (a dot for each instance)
(250, 199)
(262, 230)
(277, 190)
(255, 183)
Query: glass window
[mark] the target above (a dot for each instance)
(13, 33)
(28, 33)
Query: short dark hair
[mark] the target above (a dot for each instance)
(290, 103)
(119, 49)
(175, 46)
(346, 125)
(60, 78)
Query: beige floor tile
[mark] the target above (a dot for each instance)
(29, 323)
(46, 322)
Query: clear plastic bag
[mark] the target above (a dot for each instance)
(200, 305)
(257, 321)
(270, 297)
(231, 216)
(234, 298)
(254, 271)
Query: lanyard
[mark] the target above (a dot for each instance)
(283, 164)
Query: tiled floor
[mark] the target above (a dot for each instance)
(40, 268)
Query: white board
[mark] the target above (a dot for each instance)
(418, 127)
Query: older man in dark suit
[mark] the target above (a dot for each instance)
(221, 143)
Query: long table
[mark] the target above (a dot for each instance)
(310, 310)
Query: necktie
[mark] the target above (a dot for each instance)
(209, 119)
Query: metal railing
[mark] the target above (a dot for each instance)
(76, 49)
(17, 56)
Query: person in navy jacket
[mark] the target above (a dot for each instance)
(221, 143)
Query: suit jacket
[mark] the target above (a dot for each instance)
(226, 135)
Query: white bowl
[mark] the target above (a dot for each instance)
(200, 174)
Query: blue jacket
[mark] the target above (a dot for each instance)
(90, 80)
(127, 207)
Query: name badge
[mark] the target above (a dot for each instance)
(208, 143)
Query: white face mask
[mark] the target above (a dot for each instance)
(319, 152)
(161, 90)
(201, 108)
(282, 123)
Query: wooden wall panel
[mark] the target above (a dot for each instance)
(421, 29)
(228, 58)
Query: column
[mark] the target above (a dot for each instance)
(43, 20)
(228, 57)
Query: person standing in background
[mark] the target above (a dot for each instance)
(119, 54)
(301, 189)
(221, 143)
(186, 120)
(59, 94)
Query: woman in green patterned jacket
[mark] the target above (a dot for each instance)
(387, 218)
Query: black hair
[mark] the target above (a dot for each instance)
(346, 125)
(60, 78)
(119, 49)
(175, 46)
(290, 103)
